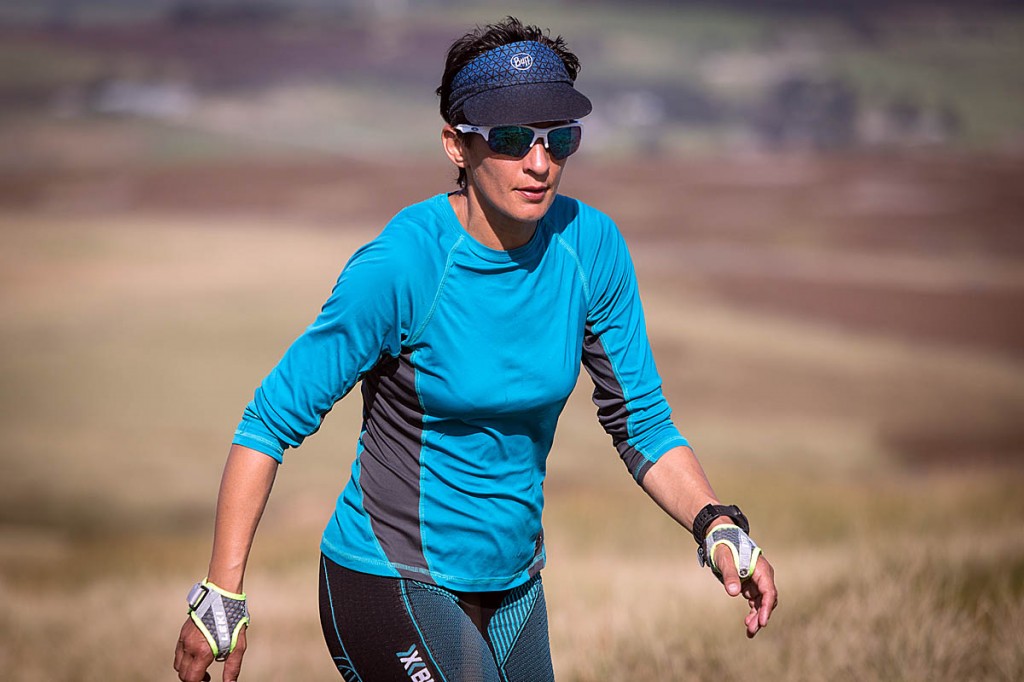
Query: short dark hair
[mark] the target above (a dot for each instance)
(484, 38)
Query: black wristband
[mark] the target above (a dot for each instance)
(711, 512)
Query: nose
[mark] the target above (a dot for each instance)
(537, 160)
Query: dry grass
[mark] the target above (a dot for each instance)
(131, 341)
(849, 613)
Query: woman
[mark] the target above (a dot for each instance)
(467, 321)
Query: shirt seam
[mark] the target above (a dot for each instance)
(437, 293)
(579, 267)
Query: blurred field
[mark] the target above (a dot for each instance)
(838, 323)
(879, 457)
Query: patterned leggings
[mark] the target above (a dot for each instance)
(381, 629)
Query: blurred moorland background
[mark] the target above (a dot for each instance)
(824, 202)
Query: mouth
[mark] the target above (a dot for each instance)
(533, 193)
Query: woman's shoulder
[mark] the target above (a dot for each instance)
(412, 234)
(420, 223)
(579, 223)
(411, 246)
(570, 212)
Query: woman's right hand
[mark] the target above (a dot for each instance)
(192, 656)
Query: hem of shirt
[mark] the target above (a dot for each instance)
(386, 569)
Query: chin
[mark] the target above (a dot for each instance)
(531, 212)
(530, 218)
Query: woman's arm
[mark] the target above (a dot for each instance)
(678, 484)
(244, 490)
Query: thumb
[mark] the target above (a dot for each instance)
(727, 567)
(233, 663)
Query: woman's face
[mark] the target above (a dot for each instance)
(511, 192)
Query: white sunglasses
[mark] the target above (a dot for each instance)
(517, 140)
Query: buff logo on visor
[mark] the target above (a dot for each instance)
(521, 63)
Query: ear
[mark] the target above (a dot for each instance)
(453, 146)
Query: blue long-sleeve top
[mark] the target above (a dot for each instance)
(467, 356)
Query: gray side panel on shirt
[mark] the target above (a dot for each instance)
(390, 462)
(611, 403)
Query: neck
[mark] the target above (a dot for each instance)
(487, 225)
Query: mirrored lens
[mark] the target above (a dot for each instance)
(510, 140)
(564, 141)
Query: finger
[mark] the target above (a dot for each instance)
(195, 668)
(727, 567)
(179, 651)
(233, 664)
(764, 577)
(182, 666)
(181, 648)
(751, 622)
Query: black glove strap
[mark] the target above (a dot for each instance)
(711, 512)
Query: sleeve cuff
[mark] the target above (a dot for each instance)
(258, 442)
(649, 458)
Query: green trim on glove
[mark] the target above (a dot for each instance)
(219, 615)
(744, 550)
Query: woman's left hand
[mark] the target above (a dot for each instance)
(759, 589)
